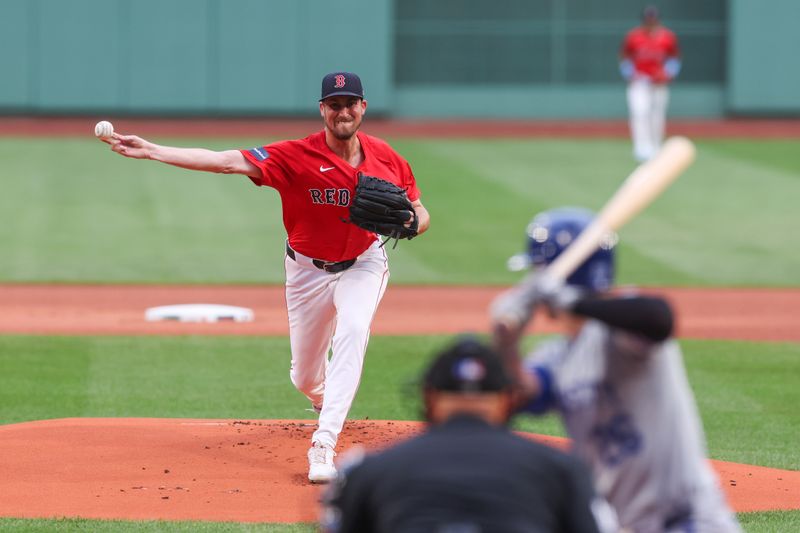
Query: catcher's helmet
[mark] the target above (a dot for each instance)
(550, 232)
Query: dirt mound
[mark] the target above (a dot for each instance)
(224, 470)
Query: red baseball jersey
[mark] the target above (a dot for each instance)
(648, 50)
(316, 186)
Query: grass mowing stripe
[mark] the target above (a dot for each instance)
(747, 395)
(192, 377)
(770, 522)
(741, 209)
(43, 378)
(147, 376)
(84, 214)
(89, 215)
(777, 153)
(637, 263)
(765, 522)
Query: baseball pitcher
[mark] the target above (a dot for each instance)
(339, 189)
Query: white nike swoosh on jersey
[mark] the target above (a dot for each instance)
(325, 169)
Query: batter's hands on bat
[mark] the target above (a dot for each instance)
(556, 295)
(510, 313)
(513, 309)
(507, 337)
(130, 146)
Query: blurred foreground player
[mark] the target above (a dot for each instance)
(468, 473)
(618, 381)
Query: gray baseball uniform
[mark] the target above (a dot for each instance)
(628, 406)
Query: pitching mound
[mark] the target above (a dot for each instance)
(223, 470)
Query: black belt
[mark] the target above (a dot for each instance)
(327, 266)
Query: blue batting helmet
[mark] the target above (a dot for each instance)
(550, 232)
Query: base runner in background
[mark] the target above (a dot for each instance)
(618, 381)
(649, 61)
(336, 272)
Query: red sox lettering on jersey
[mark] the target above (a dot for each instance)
(340, 197)
(316, 186)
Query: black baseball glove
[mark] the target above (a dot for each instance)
(384, 208)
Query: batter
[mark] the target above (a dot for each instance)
(618, 381)
(336, 273)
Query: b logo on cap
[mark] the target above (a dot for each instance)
(339, 81)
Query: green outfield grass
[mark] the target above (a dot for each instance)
(745, 391)
(772, 522)
(75, 212)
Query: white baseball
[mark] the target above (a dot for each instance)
(103, 129)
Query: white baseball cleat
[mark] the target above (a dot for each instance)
(320, 463)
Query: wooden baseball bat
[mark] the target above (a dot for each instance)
(638, 191)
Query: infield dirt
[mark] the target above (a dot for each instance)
(743, 314)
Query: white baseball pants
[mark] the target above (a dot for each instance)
(332, 313)
(647, 115)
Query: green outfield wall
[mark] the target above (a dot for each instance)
(187, 56)
(418, 58)
(764, 57)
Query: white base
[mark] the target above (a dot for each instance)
(199, 313)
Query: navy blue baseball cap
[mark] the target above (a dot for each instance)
(467, 365)
(341, 84)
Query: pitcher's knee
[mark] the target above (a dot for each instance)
(356, 332)
(308, 385)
